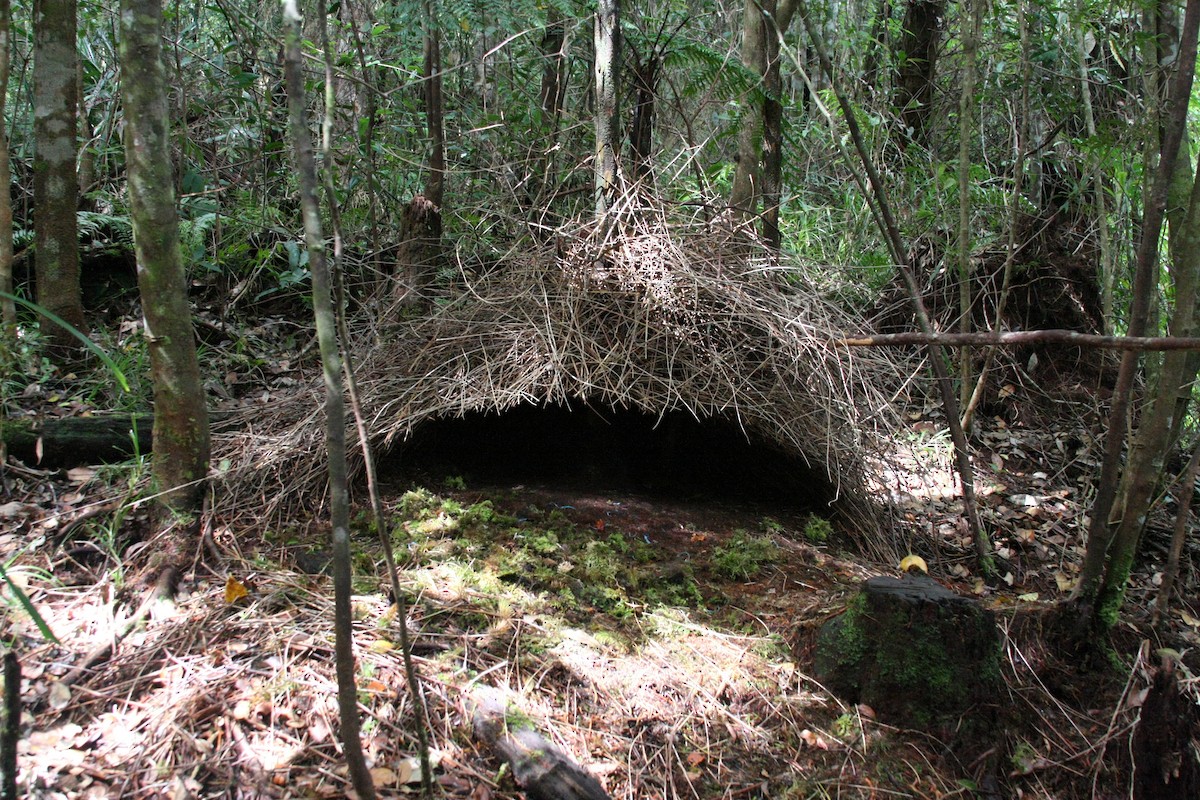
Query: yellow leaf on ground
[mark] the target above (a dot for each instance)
(1065, 582)
(235, 590)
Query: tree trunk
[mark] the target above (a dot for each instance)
(1152, 441)
(641, 135)
(746, 191)
(966, 104)
(758, 175)
(180, 416)
(551, 97)
(420, 254)
(85, 173)
(435, 184)
(917, 52)
(608, 107)
(55, 191)
(335, 415)
(1102, 564)
(10, 726)
(772, 145)
(8, 309)
(554, 69)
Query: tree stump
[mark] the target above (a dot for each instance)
(542, 770)
(1166, 764)
(420, 255)
(917, 653)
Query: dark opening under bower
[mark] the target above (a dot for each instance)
(674, 343)
(578, 445)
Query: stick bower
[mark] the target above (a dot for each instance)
(660, 318)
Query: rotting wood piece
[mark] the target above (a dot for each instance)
(542, 770)
(76, 441)
(81, 441)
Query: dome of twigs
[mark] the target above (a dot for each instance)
(660, 317)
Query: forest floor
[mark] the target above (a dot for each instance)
(664, 644)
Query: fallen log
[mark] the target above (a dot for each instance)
(542, 770)
(64, 442)
(77, 441)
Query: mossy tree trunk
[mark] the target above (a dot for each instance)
(55, 190)
(181, 443)
(1152, 441)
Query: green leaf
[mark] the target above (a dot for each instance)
(88, 343)
(27, 604)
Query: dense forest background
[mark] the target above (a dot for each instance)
(912, 244)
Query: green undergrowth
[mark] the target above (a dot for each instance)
(540, 558)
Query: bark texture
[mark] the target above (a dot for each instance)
(55, 191)
(747, 174)
(8, 309)
(772, 149)
(917, 51)
(434, 114)
(10, 727)
(180, 417)
(335, 413)
(608, 120)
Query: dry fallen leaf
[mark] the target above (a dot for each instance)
(1064, 582)
(408, 770)
(235, 590)
(59, 696)
(695, 759)
(383, 776)
(318, 730)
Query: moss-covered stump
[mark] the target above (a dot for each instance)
(917, 653)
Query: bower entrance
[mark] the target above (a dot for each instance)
(601, 448)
